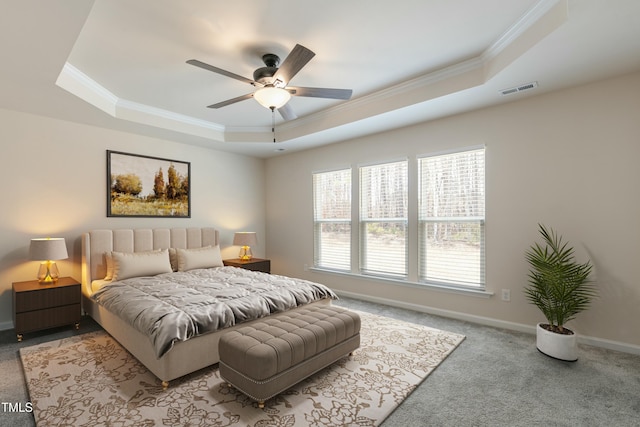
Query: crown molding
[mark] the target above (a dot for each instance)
(528, 20)
(475, 69)
(544, 17)
(79, 84)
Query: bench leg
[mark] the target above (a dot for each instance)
(260, 402)
(165, 385)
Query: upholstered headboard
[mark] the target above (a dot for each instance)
(96, 242)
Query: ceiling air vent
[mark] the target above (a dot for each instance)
(517, 89)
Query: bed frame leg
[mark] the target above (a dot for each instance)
(261, 404)
(165, 385)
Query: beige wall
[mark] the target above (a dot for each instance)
(566, 159)
(53, 176)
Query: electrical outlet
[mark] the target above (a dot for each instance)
(506, 295)
(306, 267)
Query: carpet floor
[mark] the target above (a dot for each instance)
(91, 380)
(495, 378)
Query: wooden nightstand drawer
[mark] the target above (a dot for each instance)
(46, 298)
(48, 318)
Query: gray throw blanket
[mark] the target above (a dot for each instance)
(177, 306)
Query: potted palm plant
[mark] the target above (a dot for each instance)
(560, 287)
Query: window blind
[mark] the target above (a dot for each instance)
(332, 219)
(451, 218)
(383, 219)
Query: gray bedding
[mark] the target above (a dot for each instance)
(177, 306)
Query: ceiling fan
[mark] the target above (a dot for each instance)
(272, 80)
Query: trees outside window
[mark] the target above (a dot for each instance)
(448, 219)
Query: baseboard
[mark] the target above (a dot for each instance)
(610, 345)
(5, 326)
(487, 321)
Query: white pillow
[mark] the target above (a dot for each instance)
(109, 262)
(207, 257)
(137, 264)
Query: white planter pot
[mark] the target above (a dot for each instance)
(558, 346)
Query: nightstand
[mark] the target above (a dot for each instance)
(37, 307)
(255, 264)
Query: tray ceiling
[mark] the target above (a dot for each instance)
(121, 63)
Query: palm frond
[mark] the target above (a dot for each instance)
(558, 285)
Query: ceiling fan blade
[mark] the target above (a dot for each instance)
(231, 101)
(287, 112)
(220, 71)
(319, 92)
(298, 58)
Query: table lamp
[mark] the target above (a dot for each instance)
(245, 239)
(48, 250)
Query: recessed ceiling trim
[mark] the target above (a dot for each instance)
(142, 113)
(534, 25)
(420, 89)
(249, 129)
(533, 15)
(76, 82)
(454, 78)
(539, 22)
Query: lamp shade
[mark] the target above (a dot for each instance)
(245, 238)
(48, 249)
(272, 97)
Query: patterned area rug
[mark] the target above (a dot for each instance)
(91, 380)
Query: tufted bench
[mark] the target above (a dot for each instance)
(271, 355)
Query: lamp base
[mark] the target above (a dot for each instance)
(48, 273)
(245, 253)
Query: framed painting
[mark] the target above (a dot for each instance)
(145, 186)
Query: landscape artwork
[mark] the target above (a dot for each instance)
(145, 186)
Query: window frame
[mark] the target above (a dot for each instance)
(412, 224)
(480, 220)
(364, 221)
(319, 222)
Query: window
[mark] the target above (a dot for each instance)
(451, 218)
(383, 219)
(419, 221)
(332, 219)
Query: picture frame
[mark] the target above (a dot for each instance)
(147, 186)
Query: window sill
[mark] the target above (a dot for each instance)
(480, 293)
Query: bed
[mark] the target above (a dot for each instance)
(134, 251)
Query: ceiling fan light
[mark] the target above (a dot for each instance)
(272, 97)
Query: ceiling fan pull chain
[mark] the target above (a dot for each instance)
(273, 123)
